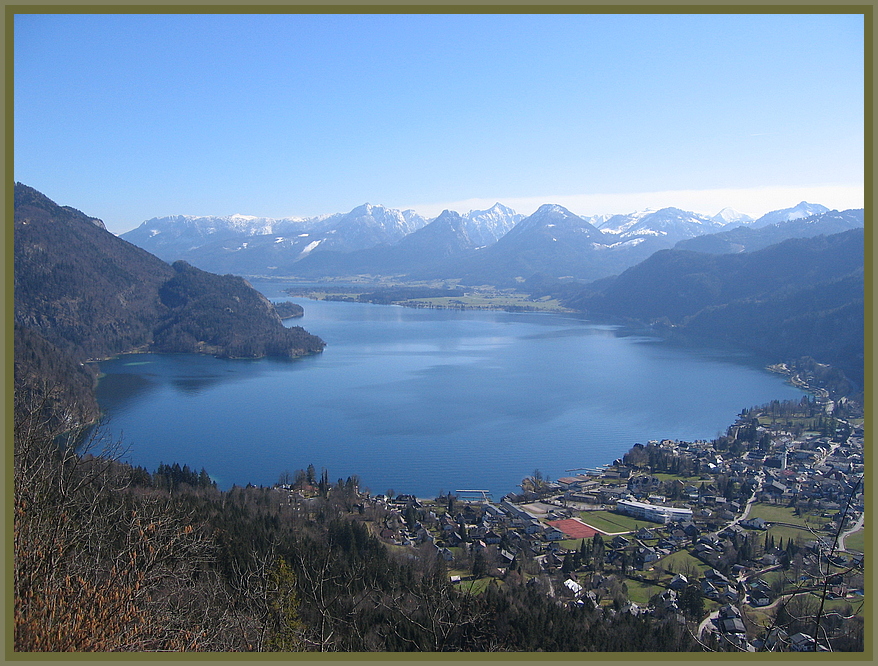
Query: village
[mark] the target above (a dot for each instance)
(754, 540)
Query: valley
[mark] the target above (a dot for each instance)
(548, 340)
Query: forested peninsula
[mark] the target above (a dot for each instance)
(82, 294)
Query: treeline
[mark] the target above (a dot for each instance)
(113, 558)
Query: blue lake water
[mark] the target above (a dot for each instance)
(423, 401)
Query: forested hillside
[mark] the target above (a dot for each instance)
(82, 293)
(802, 297)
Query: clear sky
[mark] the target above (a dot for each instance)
(128, 117)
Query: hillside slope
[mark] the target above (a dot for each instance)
(84, 293)
(802, 297)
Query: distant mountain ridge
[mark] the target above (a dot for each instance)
(800, 210)
(496, 246)
(748, 238)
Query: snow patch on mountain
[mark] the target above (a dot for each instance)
(309, 247)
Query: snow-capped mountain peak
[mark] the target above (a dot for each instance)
(731, 216)
(801, 210)
(671, 223)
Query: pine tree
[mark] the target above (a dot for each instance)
(283, 607)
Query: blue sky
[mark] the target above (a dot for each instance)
(129, 117)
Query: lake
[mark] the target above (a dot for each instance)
(423, 400)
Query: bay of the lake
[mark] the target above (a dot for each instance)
(425, 400)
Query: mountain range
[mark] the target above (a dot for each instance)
(496, 246)
(788, 285)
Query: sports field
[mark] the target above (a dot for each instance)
(575, 529)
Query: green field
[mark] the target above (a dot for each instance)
(572, 544)
(856, 542)
(641, 593)
(774, 513)
(664, 476)
(608, 521)
(475, 586)
(681, 562)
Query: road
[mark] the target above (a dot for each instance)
(857, 526)
(701, 627)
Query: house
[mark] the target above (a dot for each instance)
(801, 642)
(491, 537)
(713, 574)
(453, 539)
(708, 590)
(774, 488)
(669, 600)
(533, 526)
(445, 554)
(728, 611)
(554, 534)
(729, 596)
(678, 535)
(731, 531)
(447, 524)
(733, 625)
(678, 582)
(703, 548)
(754, 524)
(506, 557)
(551, 561)
(759, 597)
(574, 587)
(775, 635)
(738, 569)
(643, 556)
(619, 542)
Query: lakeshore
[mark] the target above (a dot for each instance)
(473, 298)
(722, 534)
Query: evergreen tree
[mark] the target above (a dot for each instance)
(283, 606)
